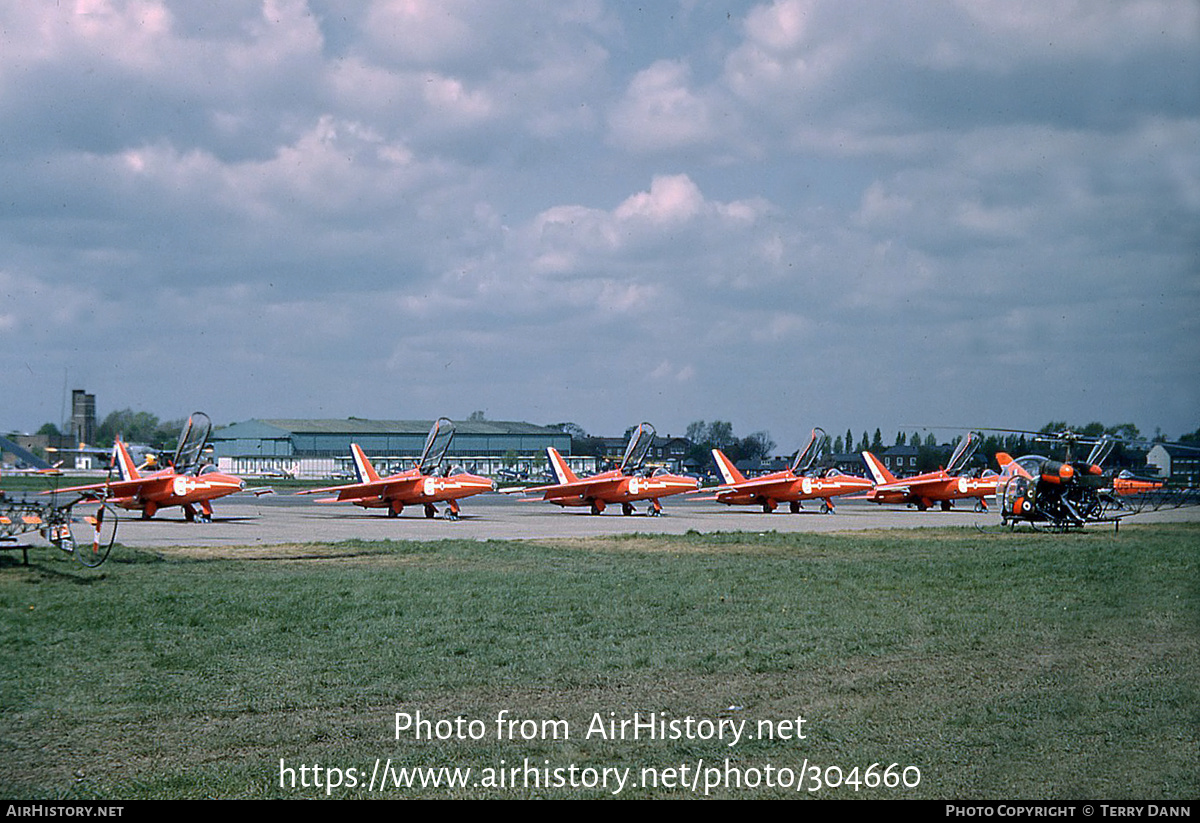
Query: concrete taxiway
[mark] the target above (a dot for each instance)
(285, 519)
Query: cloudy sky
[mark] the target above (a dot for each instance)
(782, 214)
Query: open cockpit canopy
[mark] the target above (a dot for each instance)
(639, 446)
(436, 446)
(192, 441)
(812, 453)
(963, 454)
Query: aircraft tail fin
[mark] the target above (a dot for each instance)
(729, 472)
(123, 463)
(562, 472)
(878, 471)
(363, 470)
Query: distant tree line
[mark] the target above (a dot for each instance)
(931, 455)
(718, 434)
(582, 443)
(132, 427)
(704, 437)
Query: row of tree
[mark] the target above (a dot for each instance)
(930, 454)
(1128, 452)
(704, 437)
(718, 434)
(133, 427)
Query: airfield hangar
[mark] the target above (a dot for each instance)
(321, 448)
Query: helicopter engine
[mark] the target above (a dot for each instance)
(1061, 494)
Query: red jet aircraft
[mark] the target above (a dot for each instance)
(788, 486)
(942, 486)
(625, 484)
(184, 483)
(418, 485)
(1128, 483)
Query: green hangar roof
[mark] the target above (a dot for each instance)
(326, 437)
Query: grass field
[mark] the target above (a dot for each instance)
(1004, 666)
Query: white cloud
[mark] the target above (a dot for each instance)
(522, 205)
(671, 199)
(420, 32)
(781, 25)
(672, 216)
(659, 111)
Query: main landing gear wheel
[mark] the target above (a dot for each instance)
(193, 515)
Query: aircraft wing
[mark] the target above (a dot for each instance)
(117, 488)
(89, 488)
(327, 489)
(584, 487)
(875, 491)
(376, 488)
(754, 485)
